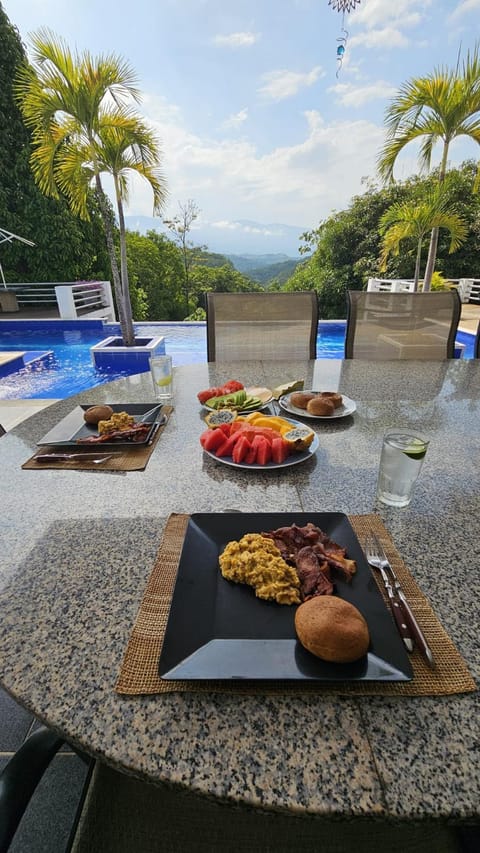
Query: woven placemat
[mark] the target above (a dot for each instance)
(133, 459)
(139, 671)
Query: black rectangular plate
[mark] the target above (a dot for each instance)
(219, 630)
(73, 426)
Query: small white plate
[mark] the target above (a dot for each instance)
(348, 407)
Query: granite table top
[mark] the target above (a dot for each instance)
(78, 547)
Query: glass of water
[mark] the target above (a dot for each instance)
(403, 452)
(162, 377)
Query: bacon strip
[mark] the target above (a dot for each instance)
(134, 434)
(313, 554)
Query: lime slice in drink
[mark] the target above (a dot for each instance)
(416, 450)
(165, 381)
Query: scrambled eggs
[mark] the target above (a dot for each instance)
(119, 420)
(257, 562)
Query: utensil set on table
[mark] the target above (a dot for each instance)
(95, 458)
(407, 625)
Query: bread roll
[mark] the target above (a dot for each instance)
(97, 413)
(320, 406)
(332, 629)
(300, 399)
(334, 396)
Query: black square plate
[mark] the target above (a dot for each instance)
(219, 630)
(72, 426)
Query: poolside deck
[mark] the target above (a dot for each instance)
(13, 412)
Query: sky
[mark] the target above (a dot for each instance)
(256, 120)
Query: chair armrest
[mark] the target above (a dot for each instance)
(21, 776)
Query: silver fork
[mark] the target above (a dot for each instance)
(410, 618)
(375, 560)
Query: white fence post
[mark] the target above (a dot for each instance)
(107, 299)
(465, 288)
(66, 303)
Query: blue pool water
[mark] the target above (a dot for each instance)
(69, 369)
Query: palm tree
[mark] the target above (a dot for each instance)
(413, 220)
(72, 102)
(432, 109)
(122, 145)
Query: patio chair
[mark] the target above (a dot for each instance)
(261, 326)
(383, 326)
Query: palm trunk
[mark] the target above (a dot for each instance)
(128, 333)
(417, 266)
(432, 249)
(125, 318)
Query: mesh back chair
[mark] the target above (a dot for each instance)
(476, 346)
(261, 326)
(383, 326)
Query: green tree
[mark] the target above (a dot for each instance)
(413, 220)
(155, 267)
(345, 249)
(66, 99)
(224, 279)
(126, 146)
(433, 109)
(180, 227)
(65, 248)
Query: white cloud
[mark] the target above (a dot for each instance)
(283, 84)
(383, 23)
(236, 39)
(464, 8)
(236, 119)
(227, 225)
(299, 183)
(387, 37)
(404, 13)
(356, 96)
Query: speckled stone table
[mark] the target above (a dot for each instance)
(77, 549)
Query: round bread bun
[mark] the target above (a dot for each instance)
(332, 629)
(334, 396)
(321, 406)
(300, 399)
(97, 413)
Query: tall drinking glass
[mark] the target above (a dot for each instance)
(403, 452)
(162, 377)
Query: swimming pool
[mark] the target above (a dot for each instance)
(68, 369)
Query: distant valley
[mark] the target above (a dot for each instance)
(243, 237)
(264, 268)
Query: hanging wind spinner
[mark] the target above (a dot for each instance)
(342, 6)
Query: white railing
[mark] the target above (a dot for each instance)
(29, 292)
(86, 299)
(396, 285)
(468, 288)
(80, 299)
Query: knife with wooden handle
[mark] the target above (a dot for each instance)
(417, 632)
(398, 612)
(73, 457)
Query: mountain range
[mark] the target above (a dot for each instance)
(240, 237)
